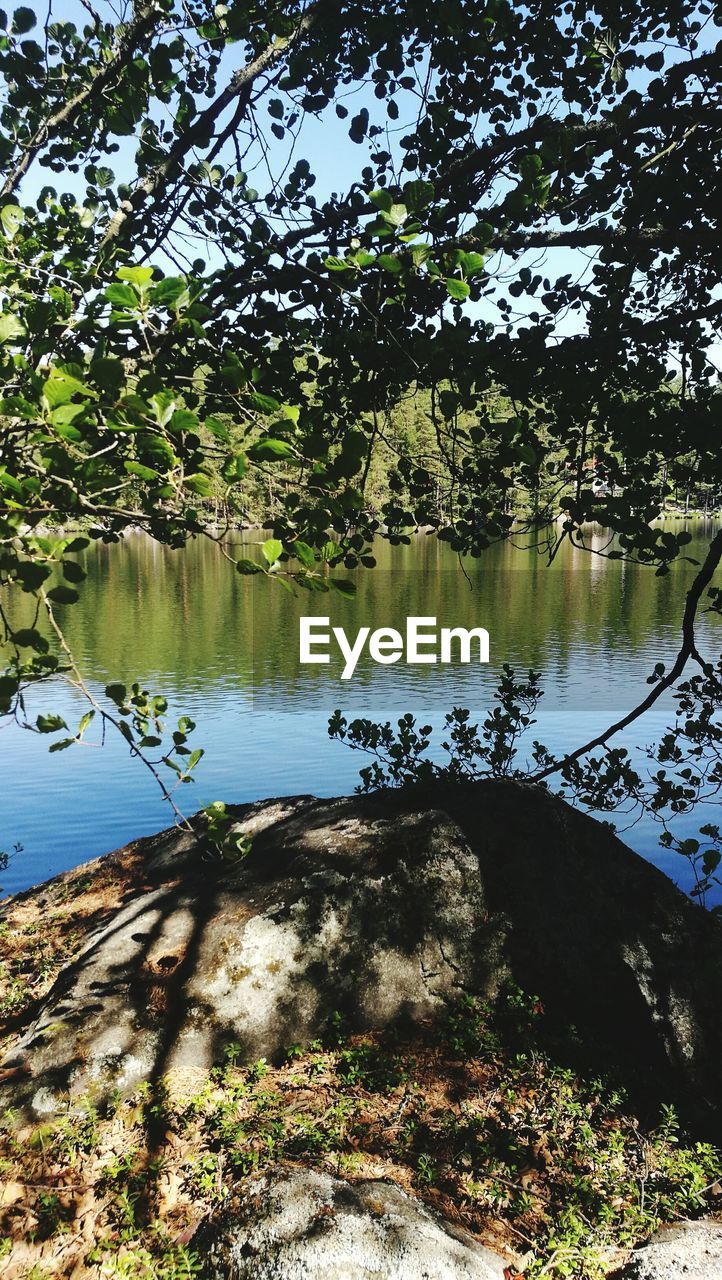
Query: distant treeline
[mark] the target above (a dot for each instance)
(415, 434)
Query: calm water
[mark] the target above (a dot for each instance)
(224, 649)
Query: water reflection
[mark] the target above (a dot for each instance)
(224, 648)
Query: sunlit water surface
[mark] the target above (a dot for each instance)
(224, 650)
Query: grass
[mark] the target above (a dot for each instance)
(470, 1115)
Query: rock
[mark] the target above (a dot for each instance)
(295, 1224)
(383, 907)
(688, 1251)
(606, 940)
(372, 910)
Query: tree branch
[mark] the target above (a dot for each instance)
(580, 132)
(238, 87)
(687, 650)
(598, 236)
(135, 32)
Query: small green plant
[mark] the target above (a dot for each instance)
(220, 838)
(425, 1170)
(370, 1065)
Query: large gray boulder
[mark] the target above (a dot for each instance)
(606, 940)
(380, 915)
(688, 1251)
(383, 907)
(295, 1224)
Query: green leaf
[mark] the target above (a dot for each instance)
(470, 263)
(117, 693)
(337, 264)
(217, 428)
(418, 195)
(249, 566)
(183, 420)
(272, 550)
(73, 571)
(236, 468)
(63, 595)
(66, 413)
(61, 387)
(121, 295)
(143, 473)
(11, 326)
(344, 587)
(62, 300)
(484, 232)
(67, 431)
(397, 215)
(266, 404)
(32, 575)
(164, 403)
(30, 638)
(62, 745)
(390, 263)
(304, 553)
(200, 484)
(530, 166)
(50, 724)
(12, 483)
(363, 259)
(457, 289)
(23, 21)
(269, 450)
(11, 215)
(84, 721)
(138, 276)
(166, 293)
(381, 199)
(108, 373)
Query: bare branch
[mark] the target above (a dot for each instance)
(687, 650)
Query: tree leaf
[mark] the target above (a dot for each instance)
(63, 595)
(304, 553)
(418, 195)
(199, 483)
(11, 326)
(60, 388)
(23, 21)
(138, 276)
(272, 550)
(11, 215)
(121, 295)
(390, 263)
(457, 289)
(138, 469)
(50, 724)
(269, 450)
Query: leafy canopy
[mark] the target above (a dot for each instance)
(190, 306)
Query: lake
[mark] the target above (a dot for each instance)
(224, 650)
